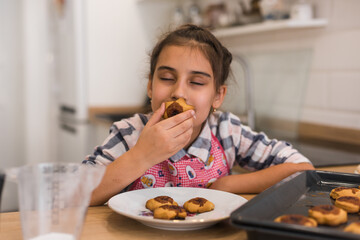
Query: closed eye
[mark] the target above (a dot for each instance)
(197, 83)
(166, 79)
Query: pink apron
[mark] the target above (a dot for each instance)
(187, 172)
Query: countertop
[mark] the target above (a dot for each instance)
(103, 223)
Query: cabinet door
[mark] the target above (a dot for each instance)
(116, 53)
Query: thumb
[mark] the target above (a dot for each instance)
(156, 117)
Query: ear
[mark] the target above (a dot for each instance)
(149, 88)
(219, 98)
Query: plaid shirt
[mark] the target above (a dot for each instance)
(249, 149)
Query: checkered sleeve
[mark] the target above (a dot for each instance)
(123, 136)
(253, 150)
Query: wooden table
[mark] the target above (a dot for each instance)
(103, 223)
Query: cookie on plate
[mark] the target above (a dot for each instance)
(344, 191)
(154, 203)
(353, 227)
(296, 219)
(198, 205)
(328, 215)
(350, 204)
(169, 212)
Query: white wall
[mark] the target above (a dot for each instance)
(333, 95)
(330, 84)
(120, 36)
(11, 95)
(115, 51)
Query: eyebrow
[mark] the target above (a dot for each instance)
(201, 73)
(192, 72)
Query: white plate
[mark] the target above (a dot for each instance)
(132, 204)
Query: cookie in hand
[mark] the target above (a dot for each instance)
(173, 108)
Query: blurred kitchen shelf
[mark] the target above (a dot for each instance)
(269, 26)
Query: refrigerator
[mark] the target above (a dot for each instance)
(69, 38)
(101, 60)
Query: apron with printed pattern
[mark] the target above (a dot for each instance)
(187, 172)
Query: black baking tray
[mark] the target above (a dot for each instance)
(295, 195)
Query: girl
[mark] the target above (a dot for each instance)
(196, 148)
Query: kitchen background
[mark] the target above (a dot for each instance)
(70, 67)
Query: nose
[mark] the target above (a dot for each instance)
(179, 90)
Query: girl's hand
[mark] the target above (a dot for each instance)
(159, 140)
(223, 184)
(258, 181)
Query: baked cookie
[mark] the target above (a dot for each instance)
(296, 219)
(154, 203)
(328, 215)
(357, 170)
(170, 212)
(353, 227)
(350, 204)
(344, 191)
(198, 205)
(173, 108)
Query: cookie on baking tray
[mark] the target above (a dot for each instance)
(154, 203)
(198, 205)
(350, 204)
(353, 227)
(169, 212)
(344, 191)
(328, 215)
(296, 219)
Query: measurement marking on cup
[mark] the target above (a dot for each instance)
(54, 198)
(55, 208)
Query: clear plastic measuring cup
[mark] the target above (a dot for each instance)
(54, 197)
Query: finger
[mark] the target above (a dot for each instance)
(178, 119)
(183, 138)
(181, 128)
(179, 142)
(156, 117)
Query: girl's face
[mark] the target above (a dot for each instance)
(184, 72)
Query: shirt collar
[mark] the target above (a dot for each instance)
(200, 148)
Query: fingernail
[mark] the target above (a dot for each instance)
(193, 113)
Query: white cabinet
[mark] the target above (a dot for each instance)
(120, 35)
(269, 26)
(116, 53)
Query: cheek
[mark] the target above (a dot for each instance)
(203, 107)
(159, 95)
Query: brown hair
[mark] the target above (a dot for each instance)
(194, 36)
